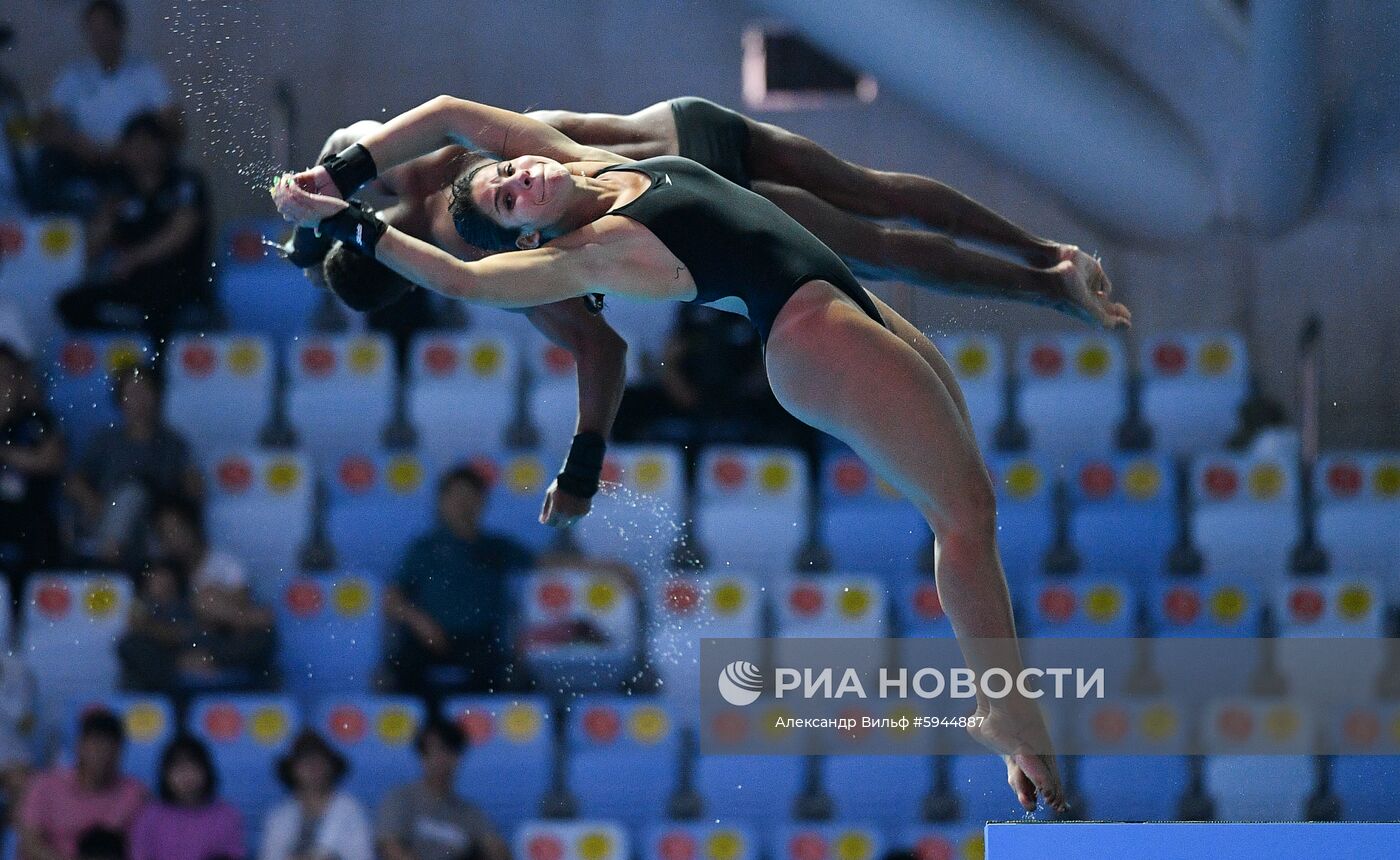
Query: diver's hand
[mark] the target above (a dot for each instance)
(317, 180)
(302, 207)
(561, 509)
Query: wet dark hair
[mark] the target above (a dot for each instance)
(115, 10)
(446, 731)
(99, 843)
(362, 282)
(311, 743)
(188, 748)
(471, 475)
(473, 225)
(102, 723)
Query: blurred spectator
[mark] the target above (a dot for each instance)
(428, 820)
(449, 594)
(189, 822)
(63, 803)
(15, 182)
(712, 388)
(234, 635)
(148, 245)
(31, 459)
(319, 822)
(100, 843)
(125, 467)
(18, 720)
(92, 101)
(160, 631)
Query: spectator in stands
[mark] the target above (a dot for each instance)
(92, 101)
(160, 633)
(449, 594)
(15, 181)
(18, 724)
(319, 822)
(101, 843)
(31, 460)
(234, 633)
(189, 822)
(428, 820)
(125, 467)
(148, 245)
(63, 803)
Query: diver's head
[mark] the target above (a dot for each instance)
(362, 282)
(512, 204)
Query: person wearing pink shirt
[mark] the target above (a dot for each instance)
(188, 822)
(63, 803)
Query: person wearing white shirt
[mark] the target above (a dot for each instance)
(94, 98)
(319, 821)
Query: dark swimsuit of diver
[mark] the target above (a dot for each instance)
(735, 242)
(715, 136)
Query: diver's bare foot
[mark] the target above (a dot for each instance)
(1085, 291)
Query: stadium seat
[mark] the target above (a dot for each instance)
(684, 609)
(260, 510)
(1072, 395)
(1245, 516)
(865, 524)
(150, 724)
(1313, 614)
(887, 790)
(1025, 515)
(1113, 787)
(1121, 733)
(830, 605)
(72, 624)
(43, 256)
(746, 790)
(518, 483)
(262, 292)
(340, 394)
(752, 509)
(945, 841)
(1080, 607)
(1210, 607)
(1358, 515)
(694, 841)
(462, 395)
(572, 840)
(979, 362)
(637, 516)
(79, 381)
(1193, 385)
(845, 841)
(553, 399)
(330, 634)
(623, 758)
(1124, 516)
(220, 391)
(1259, 768)
(246, 736)
(508, 735)
(1367, 766)
(376, 734)
(557, 603)
(377, 504)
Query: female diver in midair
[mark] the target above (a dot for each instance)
(589, 221)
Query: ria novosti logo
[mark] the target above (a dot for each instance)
(740, 683)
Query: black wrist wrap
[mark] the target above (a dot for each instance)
(350, 169)
(584, 465)
(305, 249)
(356, 226)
